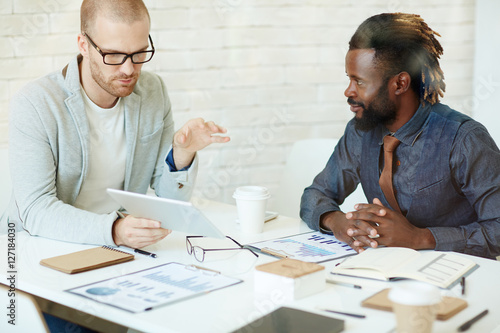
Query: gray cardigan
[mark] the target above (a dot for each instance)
(48, 154)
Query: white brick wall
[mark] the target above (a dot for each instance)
(271, 71)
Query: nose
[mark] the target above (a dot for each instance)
(127, 67)
(351, 89)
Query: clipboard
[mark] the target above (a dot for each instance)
(154, 287)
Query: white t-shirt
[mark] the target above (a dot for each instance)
(107, 157)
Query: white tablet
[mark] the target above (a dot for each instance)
(173, 214)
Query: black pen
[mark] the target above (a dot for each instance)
(355, 286)
(355, 315)
(146, 253)
(465, 326)
(462, 283)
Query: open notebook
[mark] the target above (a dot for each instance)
(86, 260)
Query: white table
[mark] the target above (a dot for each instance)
(229, 308)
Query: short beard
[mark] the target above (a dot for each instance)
(108, 86)
(379, 111)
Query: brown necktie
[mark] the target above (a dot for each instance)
(385, 181)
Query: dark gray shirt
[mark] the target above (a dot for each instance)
(448, 178)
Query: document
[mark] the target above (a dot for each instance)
(442, 269)
(144, 290)
(311, 247)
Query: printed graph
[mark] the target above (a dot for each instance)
(159, 285)
(310, 247)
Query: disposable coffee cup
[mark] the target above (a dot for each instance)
(251, 202)
(415, 306)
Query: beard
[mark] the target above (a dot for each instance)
(380, 111)
(111, 85)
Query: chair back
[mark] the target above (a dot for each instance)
(307, 158)
(28, 316)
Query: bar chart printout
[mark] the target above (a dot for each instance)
(153, 287)
(311, 247)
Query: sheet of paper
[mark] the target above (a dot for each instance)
(311, 247)
(153, 287)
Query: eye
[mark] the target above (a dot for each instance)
(359, 82)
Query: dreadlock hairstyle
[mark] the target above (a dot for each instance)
(404, 43)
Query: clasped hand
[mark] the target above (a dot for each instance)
(371, 225)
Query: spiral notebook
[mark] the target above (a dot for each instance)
(86, 260)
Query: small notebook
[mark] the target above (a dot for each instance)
(86, 260)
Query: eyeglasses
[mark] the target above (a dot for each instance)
(199, 252)
(119, 58)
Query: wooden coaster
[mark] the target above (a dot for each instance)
(448, 307)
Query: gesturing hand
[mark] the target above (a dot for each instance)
(195, 135)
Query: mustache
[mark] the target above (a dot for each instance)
(350, 101)
(124, 77)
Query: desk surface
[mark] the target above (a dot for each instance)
(230, 308)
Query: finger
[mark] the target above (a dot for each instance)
(376, 201)
(141, 223)
(361, 226)
(362, 241)
(219, 139)
(369, 232)
(352, 243)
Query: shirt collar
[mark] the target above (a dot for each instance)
(410, 131)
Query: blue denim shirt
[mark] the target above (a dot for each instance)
(448, 178)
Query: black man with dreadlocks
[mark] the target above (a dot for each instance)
(445, 191)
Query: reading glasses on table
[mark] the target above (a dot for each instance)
(199, 252)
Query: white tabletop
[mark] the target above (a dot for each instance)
(232, 307)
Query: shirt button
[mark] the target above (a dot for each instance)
(398, 163)
(180, 185)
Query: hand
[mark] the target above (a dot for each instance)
(341, 226)
(137, 232)
(392, 227)
(195, 135)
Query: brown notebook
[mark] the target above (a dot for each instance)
(86, 260)
(448, 307)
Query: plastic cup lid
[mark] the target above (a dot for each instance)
(251, 192)
(415, 293)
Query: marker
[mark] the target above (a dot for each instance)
(462, 283)
(146, 253)
(465, 326)
(355, 315)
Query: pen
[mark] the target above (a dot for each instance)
(465, 326)
(146, 253)
(355, 286)
(462, 283)
(355, 315)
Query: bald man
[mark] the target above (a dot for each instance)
(100, 123)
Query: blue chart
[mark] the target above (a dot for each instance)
(192, 283)
(156, 286)
(310, 247)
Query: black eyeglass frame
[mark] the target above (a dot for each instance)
(125, 55)
(190, 248)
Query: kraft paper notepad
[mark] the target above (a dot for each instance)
(86, 260)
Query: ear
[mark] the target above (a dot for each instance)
(83, 45)
(402, 83)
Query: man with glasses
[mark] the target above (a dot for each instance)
(100, 123)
